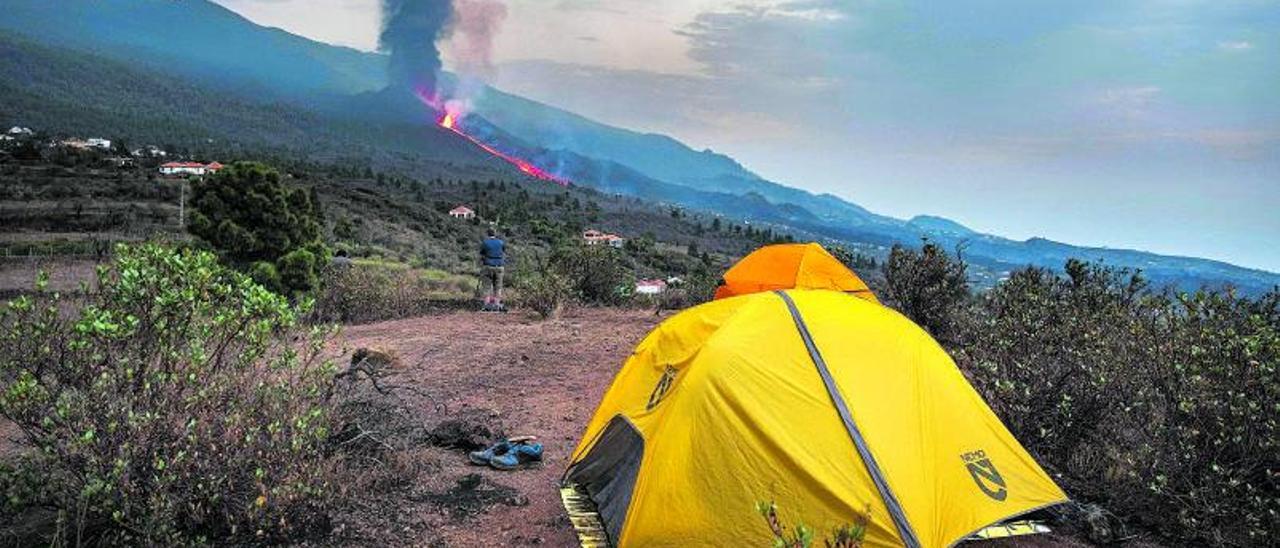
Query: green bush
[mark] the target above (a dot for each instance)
(597, 274)
(264, 274)
(1163, 408)
(544, 290)
(927, 286)
(299, 270)
(368, 291)
(176, 406)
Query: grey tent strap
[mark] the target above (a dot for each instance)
(905, 532)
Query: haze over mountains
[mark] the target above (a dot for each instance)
(218, 78)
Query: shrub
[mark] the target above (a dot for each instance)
(176, 406)
(845, 536)
(597, 274)
(699, 287)
(372, 291)
(543, 290)
(299, 270)
(1162, 407)
(264, 274)
(927, 286)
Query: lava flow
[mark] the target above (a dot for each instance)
(449, 122)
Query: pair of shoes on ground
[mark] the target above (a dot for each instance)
(509, 454)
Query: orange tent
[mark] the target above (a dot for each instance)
(791, 266)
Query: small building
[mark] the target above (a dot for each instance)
(20, 131)
(86, 144)
(150, 151)
(650, 287)
(189, 168)
(595, 237)
(462, 212)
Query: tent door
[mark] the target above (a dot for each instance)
(608, 473)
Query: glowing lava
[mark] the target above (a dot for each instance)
(449, 121)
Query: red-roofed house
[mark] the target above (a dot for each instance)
(462, 212)
(189, 168)
(595, 237)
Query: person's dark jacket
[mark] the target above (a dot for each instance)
(493, 252)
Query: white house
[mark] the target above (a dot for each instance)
(189, 168)
(462, 212)
(82, 144)
(595, 237)
(650, 287)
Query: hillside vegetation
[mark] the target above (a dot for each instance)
(74, 202)
(1161, 407)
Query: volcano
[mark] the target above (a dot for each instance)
(453, 122)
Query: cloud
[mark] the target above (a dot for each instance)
(772, 40)
(1127, 102)
(1235, 46)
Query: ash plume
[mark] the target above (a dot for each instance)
(474, 24)
(410, 29)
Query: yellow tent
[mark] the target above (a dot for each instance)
(791, 266)
(828, 404)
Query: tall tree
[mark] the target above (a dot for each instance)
(250, 216)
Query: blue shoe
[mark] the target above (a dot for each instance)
(506, 461)
(493, 451)
(529, 452)
(519, 454)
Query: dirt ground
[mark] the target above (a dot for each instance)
(18, 275)
(536, 378)
(523, 376)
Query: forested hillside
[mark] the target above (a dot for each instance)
(62, 92)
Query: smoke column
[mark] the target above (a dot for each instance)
(475, 22)
(410, 29)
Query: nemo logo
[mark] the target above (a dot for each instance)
(660, 391)
(985, 475)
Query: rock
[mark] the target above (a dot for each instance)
(468, 432)
(470, 482)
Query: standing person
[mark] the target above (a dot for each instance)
(493, 259)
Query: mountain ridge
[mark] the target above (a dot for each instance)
(653, 166)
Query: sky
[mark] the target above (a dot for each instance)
(1148, 124)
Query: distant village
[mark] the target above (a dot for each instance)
(154, 157)
(18, 137)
